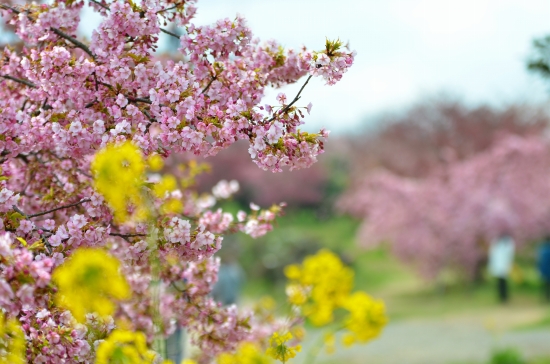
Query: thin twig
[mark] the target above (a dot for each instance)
(73, 40)
(17, 209)
(287, 107)
(100, 4)
(42, 236)
(105, 84)
(19, 80)
(137, 99)
(209, 84)
(169, 33)
(7, 7)
(90, 104)
(170, 8)
(151, 120)
(127, 235)
(59, 208)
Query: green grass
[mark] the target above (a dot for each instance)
(377, 272)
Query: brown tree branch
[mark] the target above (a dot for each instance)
(74, 41)
(54, 209)
(170, 8)
(169, 33)
(19, 80)
(296, 98)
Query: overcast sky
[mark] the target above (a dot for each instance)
(406, 50)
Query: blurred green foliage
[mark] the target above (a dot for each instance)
(507, 356)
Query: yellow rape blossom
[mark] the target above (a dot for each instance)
(188, 361)
(279, 350)
(320, 284)
(89, 281)
(166, 185)
(329, 341)
(299, 332)
(125, 347)
(366, 319)
(118, 172)
(155, 162)
(161, 189)
(247, 353)
(12, 341)
(296, 294)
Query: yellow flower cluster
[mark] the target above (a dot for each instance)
(247, 353)
(118, 172)
(279, 350)
(88, 282)
(320, 285)
(167, 184)
(191, 171)
(12, 341)
(366, 319)
(125, 347)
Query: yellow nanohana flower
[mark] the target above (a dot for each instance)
(167, 184)
(247, 353)
(267, 303)
(188, 361)
(119, 174)
(366, 319)
(12, 341)
(125, 347)
(299, 332)
(296, 294)
(279, 350)
(320, 285)
(155, 162)
(330, 342)
(90, 281)
(162, 189)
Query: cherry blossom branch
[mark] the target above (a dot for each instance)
(54, 209)
(161, 29)
(57, 31)
(296, 98)
(127, 235)
(170, 8)
(100, 4)
(37, 229)
(169, 33)
(73, 40)
(138, 99)
(209, 84)
(19, 80)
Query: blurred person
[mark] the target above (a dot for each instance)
(230, 274)
(229, 285)
(544, 266)
(175, 344)
(501, 258)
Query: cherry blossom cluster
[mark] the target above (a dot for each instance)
(62, 100)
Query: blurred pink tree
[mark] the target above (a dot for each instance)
(447, 218)
(430, 134)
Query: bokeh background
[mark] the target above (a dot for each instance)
(439, 145)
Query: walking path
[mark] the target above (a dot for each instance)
(457, 339)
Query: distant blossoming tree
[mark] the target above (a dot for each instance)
(448, 218)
